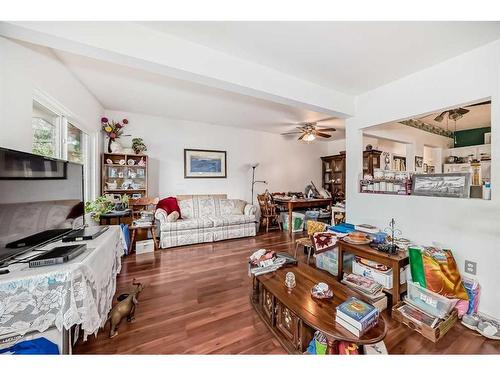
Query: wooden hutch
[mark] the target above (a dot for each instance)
(371, 161)
(124, 174)
(333, 175)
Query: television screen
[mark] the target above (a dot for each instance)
(40, 198)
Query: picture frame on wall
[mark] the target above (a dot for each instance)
(205, 163)
(419, 161)
(453, 185)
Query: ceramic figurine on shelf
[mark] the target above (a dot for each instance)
(141, 163)
(125, 308)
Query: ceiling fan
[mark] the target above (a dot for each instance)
(309, 131)
(457, 113)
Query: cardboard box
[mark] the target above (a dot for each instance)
(146, 246)
(433, 334)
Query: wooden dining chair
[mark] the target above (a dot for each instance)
(306, 242)
(139, 207)
(269, 215)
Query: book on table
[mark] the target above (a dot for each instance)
(357, 313)
(355, 331)
(367, 228)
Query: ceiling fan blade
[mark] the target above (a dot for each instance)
(482, 103)
(461, 111)
(296, 132)
(324, 135)
(302, 136)
(326, 129)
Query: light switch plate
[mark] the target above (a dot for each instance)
(470, 267)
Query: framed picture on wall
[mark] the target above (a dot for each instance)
(419, 161)
(204, 164)
(455, 185)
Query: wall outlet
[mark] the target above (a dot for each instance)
(470, 267)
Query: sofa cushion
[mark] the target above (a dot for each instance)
(187, 208)
(220, 221)
(206, 206)
(187, 224)
(232, 207)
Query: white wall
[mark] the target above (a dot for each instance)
(25, 68)
(469, 227)
(287, 165)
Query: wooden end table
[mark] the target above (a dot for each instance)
(107, 218)
(395, 261)
(133, 232)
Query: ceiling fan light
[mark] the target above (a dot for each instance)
(309, 137)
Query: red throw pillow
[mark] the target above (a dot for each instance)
(170, 205)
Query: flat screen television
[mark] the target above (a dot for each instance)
(41, 199)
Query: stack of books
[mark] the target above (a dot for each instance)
(142, 223)
(362, 284)
(357, 316)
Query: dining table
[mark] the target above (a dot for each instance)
(293, 204)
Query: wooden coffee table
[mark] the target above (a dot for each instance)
(293, 316)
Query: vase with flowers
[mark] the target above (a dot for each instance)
(113, 130)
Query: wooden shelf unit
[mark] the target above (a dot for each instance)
(371, 161)
(118, 173)
(333, 173)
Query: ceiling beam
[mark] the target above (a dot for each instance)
(136, 46)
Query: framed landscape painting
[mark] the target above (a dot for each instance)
(204, 164)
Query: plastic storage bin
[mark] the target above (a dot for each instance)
(297, 221)
(384, 278)
(328, 261)
(432, 303)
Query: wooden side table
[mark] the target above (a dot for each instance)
(395, 261)
(133, 232)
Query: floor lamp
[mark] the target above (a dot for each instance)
(253, 178)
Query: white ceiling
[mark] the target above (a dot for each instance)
(352, 57)
(122, 88)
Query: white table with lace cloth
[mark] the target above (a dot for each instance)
(77, 292)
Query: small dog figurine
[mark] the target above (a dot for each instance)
(125, 308)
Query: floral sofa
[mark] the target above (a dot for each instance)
(207, 218)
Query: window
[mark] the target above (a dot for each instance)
(56, 134)
(75, 144)
(45, 125)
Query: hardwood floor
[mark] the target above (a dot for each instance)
(196, 301)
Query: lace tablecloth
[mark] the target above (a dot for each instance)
(78, 292)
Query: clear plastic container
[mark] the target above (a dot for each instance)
(432, 303)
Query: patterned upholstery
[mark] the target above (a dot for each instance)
(207, 219)
(197, 223)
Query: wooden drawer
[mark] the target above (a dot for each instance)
(268, 305)
(287, 324)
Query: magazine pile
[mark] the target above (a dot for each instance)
(357, 316)
(369, 288)
(264, 261)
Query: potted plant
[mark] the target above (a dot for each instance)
(123, 203)
(138, 145)
(100, 206)
(113, 130)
